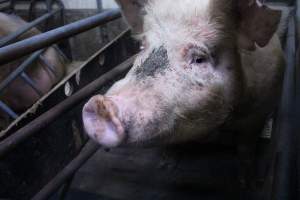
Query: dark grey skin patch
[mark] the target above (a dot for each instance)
(156, 63)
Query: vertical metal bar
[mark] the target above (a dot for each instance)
(12, 6)
(102, 29)
(7, 110)
(49, 4)
(31, 83)
(285, 177)
(62, 8)
(99, 5)
(31, 8)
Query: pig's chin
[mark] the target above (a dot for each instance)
(147, 140)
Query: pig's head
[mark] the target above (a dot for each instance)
(187, 79)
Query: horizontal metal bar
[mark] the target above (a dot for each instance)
(31, 83)
(7, 110)
(22, 48)
(51, 115)
(89, 149)
(4, 8)
(12, 37)
(4, 1)
(20, 69)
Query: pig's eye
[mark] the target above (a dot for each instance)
(198, 59)
(196, 55)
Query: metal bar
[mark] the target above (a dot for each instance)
(60, 4)
(51, 115)
(4, 1)
(89, 149)
(12, 5)
(20, 69)
(49, 4)
(61, 52)
(48, 65)
(7, 110)
(62, 8)
(43, 40)
(285, 173)
(4, 8)
(99, 5)
(12, 37)
(31, 8)
(63, 194)
(31, 83)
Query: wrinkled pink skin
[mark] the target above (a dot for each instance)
(169, 96)
(19, 95)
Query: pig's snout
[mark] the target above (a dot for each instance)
(101, 121)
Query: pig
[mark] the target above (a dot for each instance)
(205, 67)
(45, 71)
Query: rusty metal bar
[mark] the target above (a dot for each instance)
(12, 37)
(51, 115)
(89, 149)
(44, 40)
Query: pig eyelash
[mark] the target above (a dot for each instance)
(197, 59)
(197, 55)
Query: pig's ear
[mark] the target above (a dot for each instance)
(133, 12)
(257, 23)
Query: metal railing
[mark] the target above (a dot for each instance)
(37, 43)
(35, 46)
(48, 117)
(20, 71)
(41, 41)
